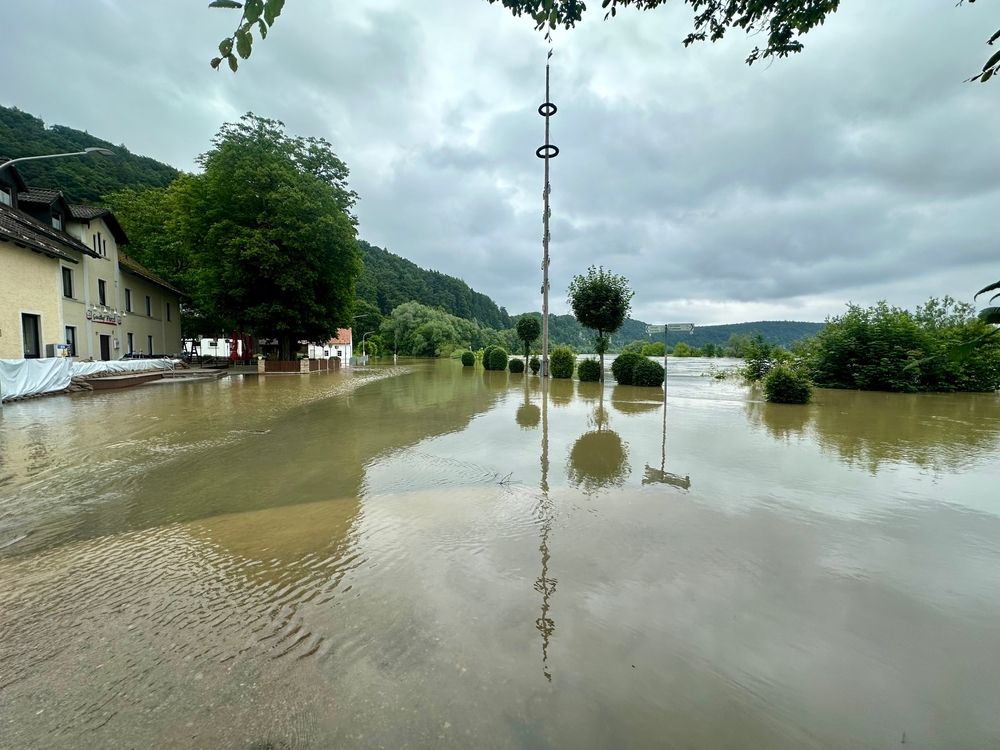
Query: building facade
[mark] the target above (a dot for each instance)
(63, 274)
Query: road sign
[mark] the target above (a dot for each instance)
(684, 327)
(650, 330)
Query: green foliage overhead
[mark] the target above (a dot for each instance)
(589, 370)
(885, 348)
(84, 179)
(562, 361)
(516, 365)
(647, 373)
(782, 22)
(528, 330)
(468, 359)
(623, 366)
(785, 385)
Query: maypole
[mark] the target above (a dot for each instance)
(545, 152)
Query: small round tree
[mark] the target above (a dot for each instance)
(600, 301)
(623, 366)
(589, 370)
(535, 365)
(516, 365)
(647, 373)
(486, 357)
(561, 362)
(528, 329)
(468, 359)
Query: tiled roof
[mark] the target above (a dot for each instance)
(343, 338)
(132, 266)
(38, 195)
(22, 229)
(85, 213)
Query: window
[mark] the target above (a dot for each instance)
(71, 340)
(57, 221)
(131, 344)
(102, 291)
(149, 341)
(104, 247)
(168, 312)
(5, 196)
(67, 274)
(149, 307)
(100, 244)
(31, 326)
(128, 300)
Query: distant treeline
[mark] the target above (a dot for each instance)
(86, 179)
(389, 280)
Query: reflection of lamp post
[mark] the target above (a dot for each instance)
(85, 152)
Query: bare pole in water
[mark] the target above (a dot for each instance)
(545, 152)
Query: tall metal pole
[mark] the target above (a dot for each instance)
(545, 152)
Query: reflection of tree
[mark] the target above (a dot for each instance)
(588, 391)
(599, 458)
(528, 415)
(560, 391)
(630, 399)
(782, 421)
(868, 428)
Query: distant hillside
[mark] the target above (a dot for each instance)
(85, 179)
(564, 329)
(389, 280)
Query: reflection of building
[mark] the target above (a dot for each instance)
(66, 289)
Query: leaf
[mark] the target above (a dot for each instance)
(272, 9)
(233, 64)
(990, 315)
(262, 27)
(992, 61)
(225, 4)
(253, 10)
(990, 288)
(244, 43)
(226, 47)
(987, 75)
(216, 61)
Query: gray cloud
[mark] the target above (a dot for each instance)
(861, 169)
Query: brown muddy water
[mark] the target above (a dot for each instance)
(426, 556)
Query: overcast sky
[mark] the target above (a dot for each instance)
(861, 169)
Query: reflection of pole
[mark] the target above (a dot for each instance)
(664, 375)
(663, 443)
(545, 152)
(545, 585)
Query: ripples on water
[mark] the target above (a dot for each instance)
(427, 556)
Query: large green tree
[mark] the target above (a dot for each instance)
(782, 23)
(600, 301)
(277, 246)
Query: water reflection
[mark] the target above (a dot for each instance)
(560, 391)
(630, 399)
(868, 429)
(599, 457)
(545, 584)
(528, 414)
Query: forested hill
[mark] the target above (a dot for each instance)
(389, 280)
(564, 329)
(85, 179)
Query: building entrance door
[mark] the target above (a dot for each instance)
(105, 348)
(32, 336)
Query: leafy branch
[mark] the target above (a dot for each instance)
(255, 13)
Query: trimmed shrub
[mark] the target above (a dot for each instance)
(486, 357)
(516, 365)
(535, 364)
(498, 358)
(561, 362)
(589, 370)
(647, 373)
(468, 359)
(623, 366)
(783, 385)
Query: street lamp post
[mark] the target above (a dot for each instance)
(85, 152)
(363, 344)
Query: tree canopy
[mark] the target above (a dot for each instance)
(528, 330)
(600, 301)
(782, 23)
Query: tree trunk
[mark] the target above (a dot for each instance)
(286, 347)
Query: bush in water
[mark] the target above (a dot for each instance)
(561, 362)
(623, 366)
(647, 373)
(498, 358)
(783, 385)
(516, 365)
(468, 359)
(534, 364)
(589, 370)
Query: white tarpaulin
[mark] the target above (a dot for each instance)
(29, 377)
(121, 367)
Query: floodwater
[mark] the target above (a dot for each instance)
(425, 556)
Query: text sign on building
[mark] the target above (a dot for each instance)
(108, 317)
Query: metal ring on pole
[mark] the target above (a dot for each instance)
(548, 151)
(547, 109)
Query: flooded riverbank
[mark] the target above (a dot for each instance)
(428, 556)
